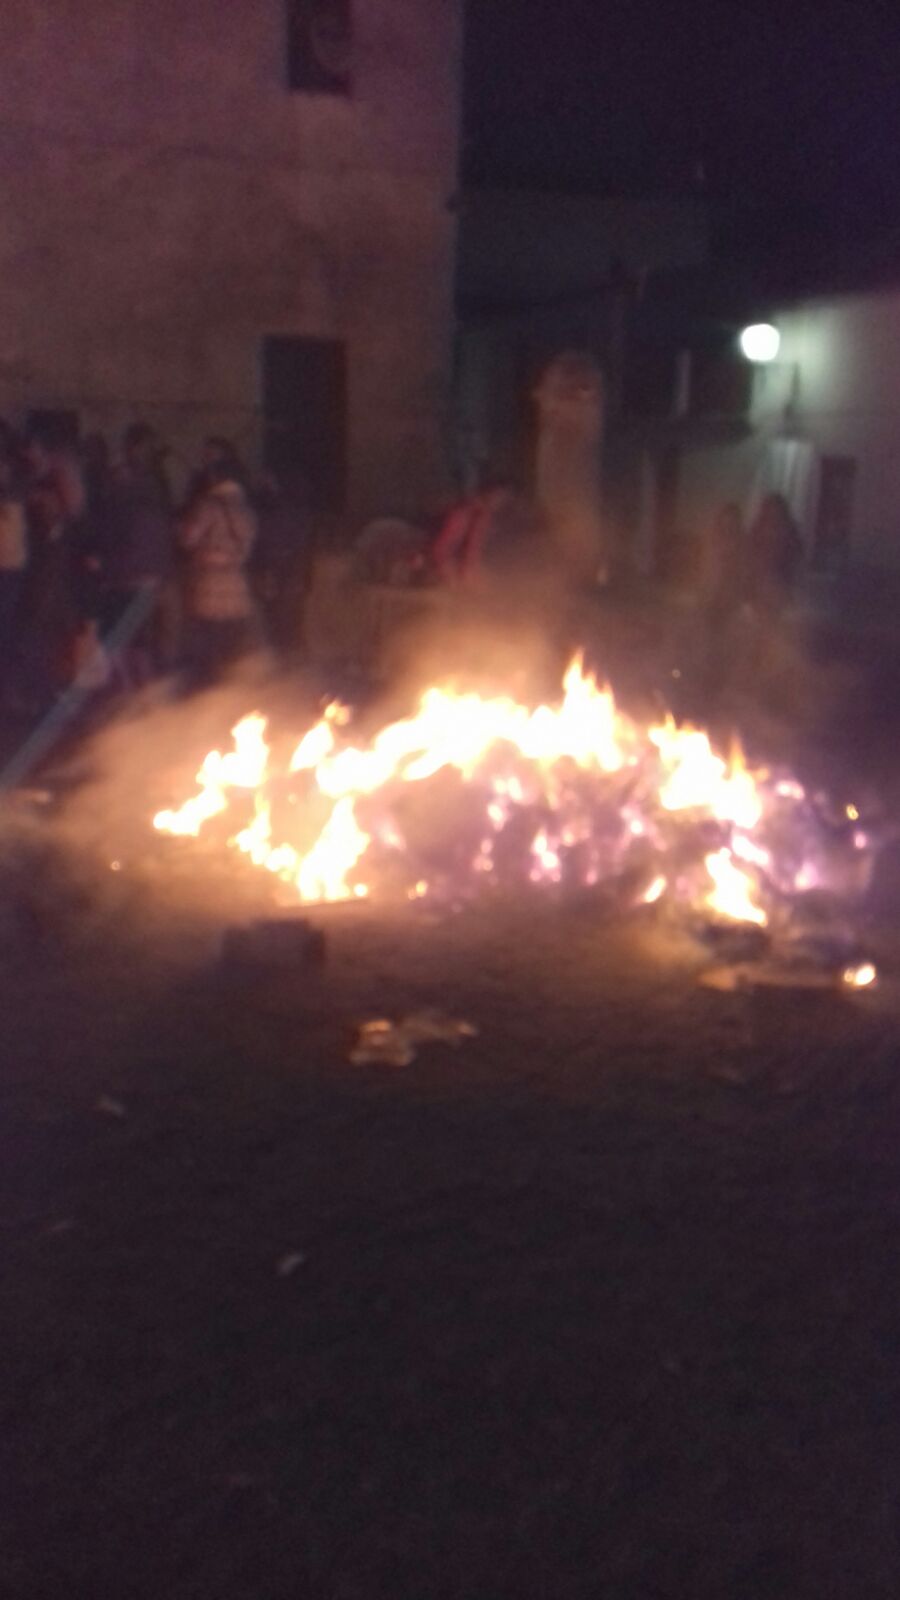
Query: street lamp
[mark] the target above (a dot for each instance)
(760, 343)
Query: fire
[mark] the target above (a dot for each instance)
(244, 767)
(565, 793)
(696, 778)
(732, 892)
(861, 976)
(655, 891)
(323, 874)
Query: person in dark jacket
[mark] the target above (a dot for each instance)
(50, 611)
(136, 549)
(775, 557)
(282, 559)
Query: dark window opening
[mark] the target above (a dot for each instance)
(305, 419)
(319, 46)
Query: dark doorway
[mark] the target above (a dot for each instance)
(834, 516)
(305, 414)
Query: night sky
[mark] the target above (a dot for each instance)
(786, 111)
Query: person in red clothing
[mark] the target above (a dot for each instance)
(471, 532)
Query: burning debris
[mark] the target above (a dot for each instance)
(474, 790)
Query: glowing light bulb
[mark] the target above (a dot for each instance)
(760, 343)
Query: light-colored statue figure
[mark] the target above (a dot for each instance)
(569, 399)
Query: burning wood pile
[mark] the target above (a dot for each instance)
(475, 790)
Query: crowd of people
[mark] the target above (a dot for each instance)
(106, 578)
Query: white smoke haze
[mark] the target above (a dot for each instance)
(78, 851)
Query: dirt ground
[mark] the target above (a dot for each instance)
(603, 1302)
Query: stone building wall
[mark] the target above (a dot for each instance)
(166, 203)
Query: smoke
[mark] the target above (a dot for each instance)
(89, 860)
(514, 637)
(86, 856)
(79, 859)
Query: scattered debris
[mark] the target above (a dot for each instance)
(108, 1107)
(288, 1264)
(273, 943)
(382, 1043)
(433, 1027)
(394, 1044)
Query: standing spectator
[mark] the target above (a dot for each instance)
(50, 616)
(721, 563)
(13, 560)
(96, 468)
(720, 586)
(137, 542)
(470, 528)
(52, 462)
(91, 535)
(217, 455)
(56, 494)
(218, 535)
(775, 557)
(282, 560)
(137, 546)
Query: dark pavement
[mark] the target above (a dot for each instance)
(604, 1302)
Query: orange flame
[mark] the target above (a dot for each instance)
(585, 733)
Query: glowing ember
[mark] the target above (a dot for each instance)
(655, 892)
(861, 976)
(571, 793)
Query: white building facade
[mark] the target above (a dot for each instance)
(824, 429)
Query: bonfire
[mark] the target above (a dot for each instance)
(473, 790)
